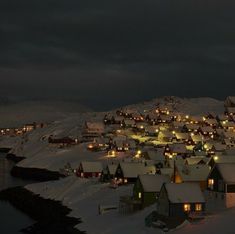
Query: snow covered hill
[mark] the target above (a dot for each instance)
(17, 114)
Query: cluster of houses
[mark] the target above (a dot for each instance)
(181, 163)
(17, 131)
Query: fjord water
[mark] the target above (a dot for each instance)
(12, 220)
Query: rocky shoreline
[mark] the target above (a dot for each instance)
(51, 216)
(36, 174)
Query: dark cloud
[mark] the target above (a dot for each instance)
(106, 53)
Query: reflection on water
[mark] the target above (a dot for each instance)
(12, 220)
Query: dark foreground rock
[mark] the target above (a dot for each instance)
(36, 174)
(14, 158)
(4, 150)
(51, 216)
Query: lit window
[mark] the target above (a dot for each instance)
(139, 195)
(198, 207)
(187, 207)
(210, 183)
(125, 180)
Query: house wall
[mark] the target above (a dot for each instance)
(163, 203)
(216, 201)
(177, 209)
(218, 181)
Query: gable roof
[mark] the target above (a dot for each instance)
(184, 192)
(112, 168)
(227, 171)
(153, 183)
(132, 170)
(92, 166)
(193, 172)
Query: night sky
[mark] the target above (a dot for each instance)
(106, 53)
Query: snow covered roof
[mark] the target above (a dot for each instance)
(193, 172)
(156, 155)
(196, 160)
(184, 192)
(167, 171)
(132, 170)
(181, 135)
(211, 121)
(178, 148)
(129, 121)
(92, 166)
(224, 159)
(153, 183)
(112, 168)
(197, 138)
(227, 171)
(207, 129)
(192, 126)
(166, 134)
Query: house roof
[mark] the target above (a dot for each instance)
(184, 192)
(132, 170)
(167, 171)
(156, 155)
(112, 168)
(224, 159)
(207, 129)
(227, 171)
(129, 121)
(193, 172)
(95, 125)
(196, 160)
(196, 138)
(153, 183)
(92, 166)
(178, 148)
(166, 134)
(182, 135)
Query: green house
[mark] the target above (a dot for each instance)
(147, 188)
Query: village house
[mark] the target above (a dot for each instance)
(229, 101)
(228, 125)
(211, 122)
(108, 172)
(221, 185)
(192, 173)
(181, 200)
(218, 159)
(196, 138)
(128, 123)
(62, 140)
(147, 188)
(196, 160)
(152, 131)
(182, 137)
(191, 128)
(157, 156)
(127, 172)
(173, 150)
(165, 136)
(164, 119)
(230, 111)
(196, 119)
(89, 169)
(207, 131)
(93, 130)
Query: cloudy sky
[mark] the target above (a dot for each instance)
(107, 53)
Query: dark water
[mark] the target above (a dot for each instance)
(11, 220)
